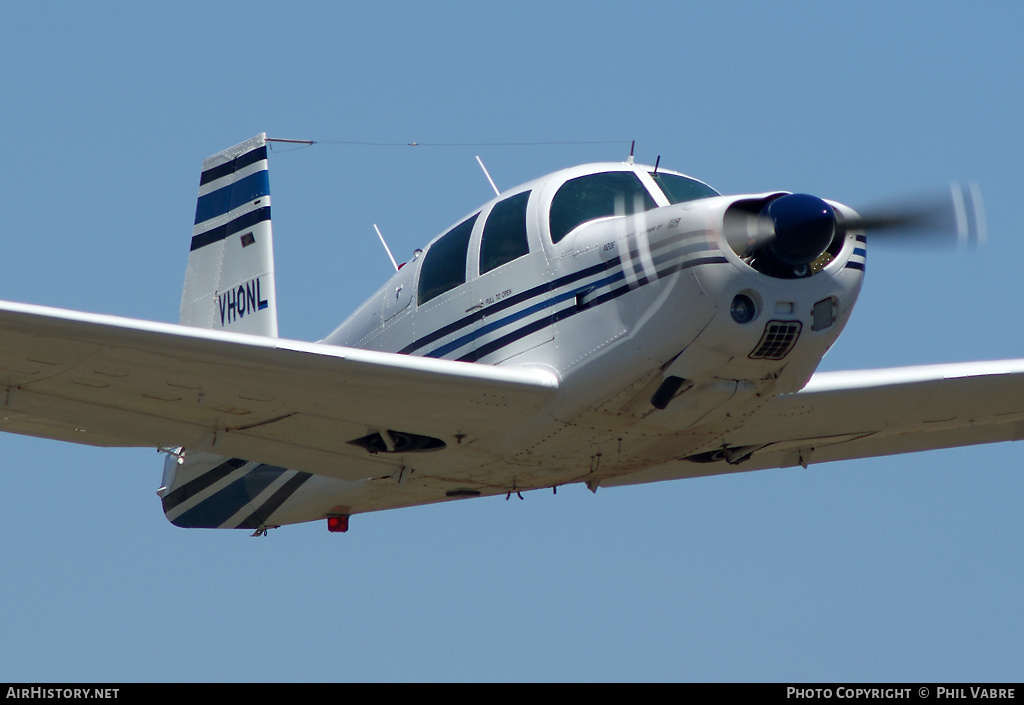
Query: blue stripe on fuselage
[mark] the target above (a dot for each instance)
(528, 311)
(552, 302)
(511, 301)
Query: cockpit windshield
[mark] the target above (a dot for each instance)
(679, 189)
(592, 196)
(600, 195)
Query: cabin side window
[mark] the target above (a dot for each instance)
(504, 236)
(679, 189)
(596, 196)
(444, 265)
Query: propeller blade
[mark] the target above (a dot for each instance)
(953, 217)
(795, 226)
(745, 231)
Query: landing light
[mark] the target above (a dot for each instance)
(743, 309)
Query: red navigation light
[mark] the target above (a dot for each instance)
(337, 524)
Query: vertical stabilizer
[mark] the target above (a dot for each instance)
(229, 284)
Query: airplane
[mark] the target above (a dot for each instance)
(608, 324)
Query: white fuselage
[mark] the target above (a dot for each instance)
(615, 307)
(626, 285)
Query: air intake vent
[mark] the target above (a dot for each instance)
(824, 313)
(778, 339)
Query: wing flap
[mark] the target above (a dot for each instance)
(110, 381)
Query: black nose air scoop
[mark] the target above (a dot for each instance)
(804, 226)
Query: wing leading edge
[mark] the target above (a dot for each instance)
(109, 381)
(868, 413)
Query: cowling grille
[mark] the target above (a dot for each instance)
(824, 314)
(778, 339)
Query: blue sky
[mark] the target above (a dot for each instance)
(904, 568)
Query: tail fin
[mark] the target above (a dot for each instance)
(229, 283)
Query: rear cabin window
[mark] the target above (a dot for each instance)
(679, 189)
(504, 236)
(444, 265)
(596, 196)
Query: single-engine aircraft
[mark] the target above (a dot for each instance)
(607, 324)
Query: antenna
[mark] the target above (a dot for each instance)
(656, 163)
(631, 146)
(489, 179)
(386, 248)
(279, 139)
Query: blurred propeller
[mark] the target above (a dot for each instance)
(953, 217)
(792, 231)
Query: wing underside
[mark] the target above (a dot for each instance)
(108, 381)
(867, 413)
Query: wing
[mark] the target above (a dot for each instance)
(867, 413)
(108, 381)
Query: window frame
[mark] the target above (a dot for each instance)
(672, 196)
(451, 246)
(501, 230)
